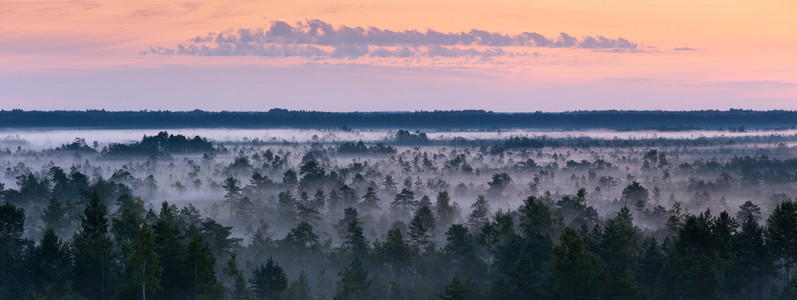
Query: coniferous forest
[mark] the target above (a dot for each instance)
(407, 216)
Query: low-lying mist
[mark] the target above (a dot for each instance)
(417, 214)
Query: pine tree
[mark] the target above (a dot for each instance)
(781, 236)
(50, 265)
(420, 226)
(354, 282)
(262, 242)
(498, 183)
(319, 201)
(573, 266)
(302, 241)
(522, 277)
(170, 250)
(403, 203)
(240, 291)
(301, 237)
(12, 224)
(480, 212)
(268, 281)
(755, 262)
(54, 216)
(198, 265)
(355, 240)
(389, 185)
(306, 213)
(348, 196)
(425, 201)
(93, 251)
(459, 244)
(298, 290)
(144, 263)
(455, 290)
(445, 211)
(126, 223)
(238, 288)
(370, 200)
(219, 241)
(748, 208)
(636, 195)
(286, 208)
(233, 192)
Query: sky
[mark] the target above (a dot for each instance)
(500, 55)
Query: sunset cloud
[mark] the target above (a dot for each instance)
(316, 39)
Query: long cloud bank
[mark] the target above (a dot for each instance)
(316, 39)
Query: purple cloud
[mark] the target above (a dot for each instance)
(318, 39)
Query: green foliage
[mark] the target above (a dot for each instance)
(781, 235)
(162, 143)
(354, 283)
(394, 250)
(574, 267)
(268, 281)
(12, 224)
(299, 289)
(403, 203)
(455, 290)
(55, 216)
(355, 241)
(498, 183)
(444, 210)
(144, 264)
(93, 251)
(50, 266)
(198, 271)
(480, 212)
(635, 195)
(170, 251)
(420, 227)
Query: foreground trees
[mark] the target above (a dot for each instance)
(517, 254)
(93, 251)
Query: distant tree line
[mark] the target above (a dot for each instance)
(361, 148)
(733, 120)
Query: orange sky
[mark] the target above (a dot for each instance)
(742, 48)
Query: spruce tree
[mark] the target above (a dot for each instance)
(12, 224)
(49, 265)
(54, 216)
(455, 290)
(268, 281)
(355, 240)
(93, 251)
(197, 270)
(170, 250)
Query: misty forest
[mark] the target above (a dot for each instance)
(398, 214)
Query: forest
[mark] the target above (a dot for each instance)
(735, 120)
(411, 216)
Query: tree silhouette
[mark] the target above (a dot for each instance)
(93, 251)
(268, 281)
